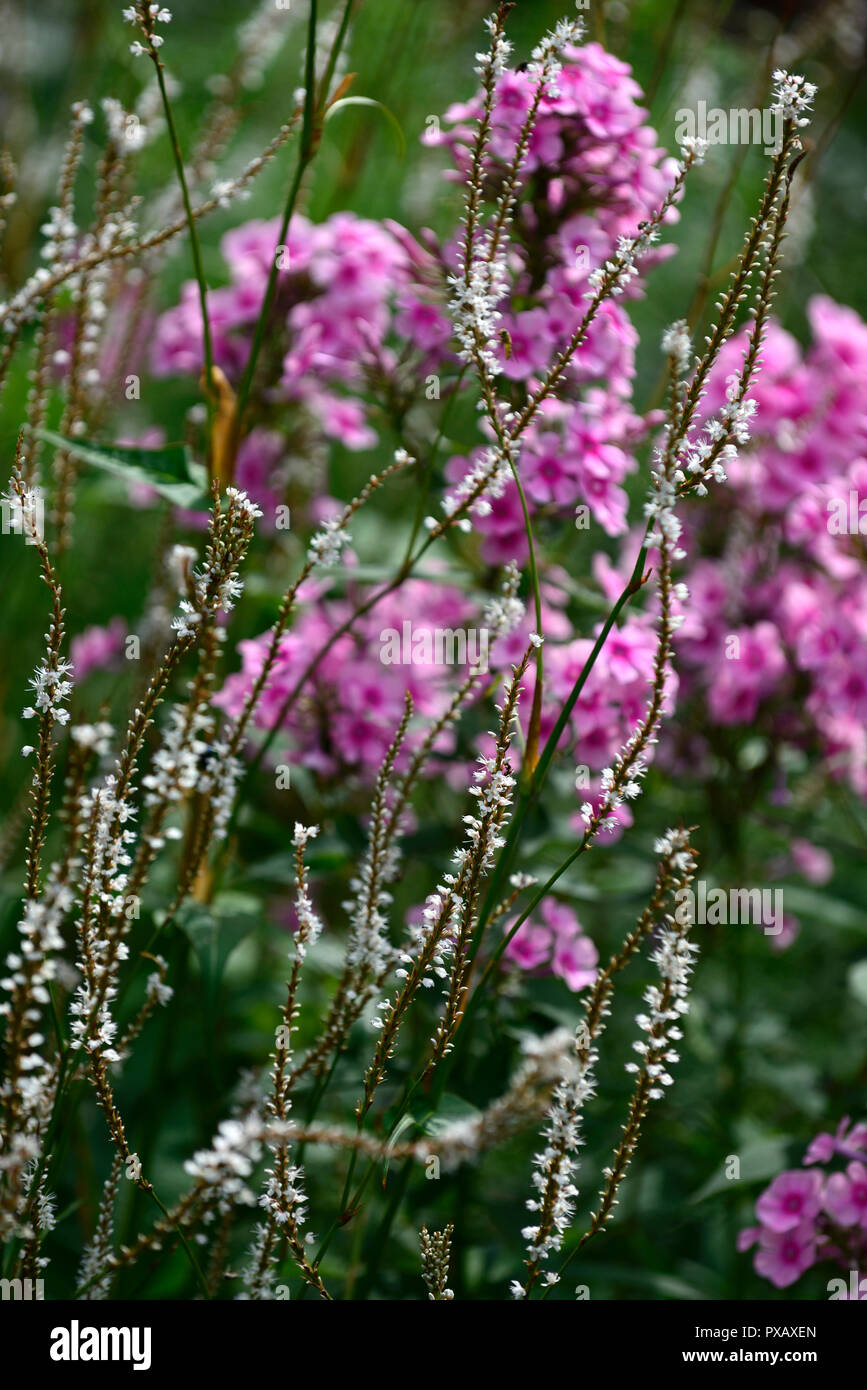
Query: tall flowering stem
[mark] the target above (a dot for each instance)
(674, 956)
(445, 931)
(283, 1199)
(30, 1074)
(555, 1165)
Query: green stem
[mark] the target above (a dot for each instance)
(427, 471)
(203, 1284)
(195, 246)
(531, 750)
(529, 793)
(305, 156)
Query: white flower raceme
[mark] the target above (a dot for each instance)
(104, 819)
(309, 922)
(502, 614)
(147, 16)
(28, 1087)
(25, 511)
(693, 150)
(369, 953)
(283, 1198)
(674, 957)
(545, 64)
(615, 275)
(226, 1167)
(176, 764)
(676, 343)
(327, 545)
(431, 946)
(496, 60)
(95, 738)
(555, 1165)
(674, 847)
(220, 773)
(473, 309)
(51, 687)
(486, 479)
(216, 586)
(435, 1247)
(793, 97)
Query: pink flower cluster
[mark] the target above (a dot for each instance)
(349, 289)
(776, 626)
(807, 1218)
(553, 941)
(593, 172)
(349, 708)
(356, 304)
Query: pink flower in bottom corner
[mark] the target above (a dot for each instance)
(794, 1197)
(783, 1256)
(846, 1196)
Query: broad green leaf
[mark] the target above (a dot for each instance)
(216, 929)
(171, 471)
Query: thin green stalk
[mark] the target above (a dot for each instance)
(203, 1283)
(427, 471)
(305, 156)
(336, 49)
(531, 750)
(195, 246)
(529, 793)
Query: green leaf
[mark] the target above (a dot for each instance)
(216, 929)
(760, 1160)
(450, 1108)
(369, 101)
(403, 1124)
(171, 471)
(834, 912)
